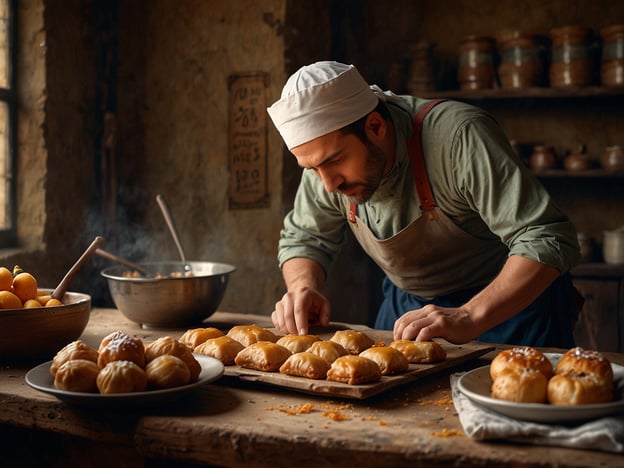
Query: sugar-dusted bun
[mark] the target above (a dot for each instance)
(74, 350)
(520, 386)
(121, 377)
(573, 388)
(169, 345)
(581, 361)
(119, 346)
(196, 336)
(518, 359)
(77, 375)
(167, 371)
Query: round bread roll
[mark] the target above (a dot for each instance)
(518, 359)
(521, 386)
(169, 345)
(121, 377)
(167, 371)
(119, 346)
(580, 361)
(572, 388)
(77, 375)
(74, 350)
(196, 336)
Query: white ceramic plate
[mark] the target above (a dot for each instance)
(40, 378)
(476, 385)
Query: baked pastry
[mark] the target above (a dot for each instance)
(297, 343)
(354, 370)
(119, 346)
(222, 348)
(521, 386)
(77, 375)
(582, 361)
(167, 371)
(249, 334)
(353, 341)
(305, 364)
(328, 350)
(518, 359)
(169, 345)
(390, 360)
(74, 350)
(121, 377)
(196, 336)
(262, 355)
(420, 352)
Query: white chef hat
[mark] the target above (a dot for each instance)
(319, 99)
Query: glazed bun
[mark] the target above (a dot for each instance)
(524, 386)
(121, 377)
(119, 346)
(519, 359)
(74, 350)
(196, 336)
(77, 375)
(579, 360)
(167, 371)
(169, 345)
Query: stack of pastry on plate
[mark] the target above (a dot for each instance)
(349, 356)
(525, 375)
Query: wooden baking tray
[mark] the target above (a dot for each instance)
(456, 354)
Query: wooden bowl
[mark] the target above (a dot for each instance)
(41, 332)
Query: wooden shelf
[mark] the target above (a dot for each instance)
(588, 174)
(528, 93)
(598, 270)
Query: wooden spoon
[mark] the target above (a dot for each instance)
(59, 292)
(174, 232)
(123, 261)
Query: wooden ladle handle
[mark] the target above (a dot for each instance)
(59, 292)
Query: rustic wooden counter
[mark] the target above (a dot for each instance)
(235, 423)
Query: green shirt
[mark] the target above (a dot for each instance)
(476, 178)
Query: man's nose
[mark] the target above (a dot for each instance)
(331, 180)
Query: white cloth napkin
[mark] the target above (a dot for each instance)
(606, 434)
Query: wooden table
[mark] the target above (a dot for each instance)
(234, 423)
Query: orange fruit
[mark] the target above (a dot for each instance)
(8, 300)
(43, 298)
(6, 279)
(53, 302)
(25, 286)
(31, 304)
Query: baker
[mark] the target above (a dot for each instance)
(471, 244)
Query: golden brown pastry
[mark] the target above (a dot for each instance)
(77, 375)
(305, 364)
(520, 386)
(354, 370)
(579, 360)
(222, 348)
(297, 343)
(390, 360)
(167, 371)
(196, 336)
(74, 350)
(518, 359)
(249, 334)
(262, 355)
(353, 341)
(328, 350)
(119, 346)
(121, 377)
(420, 352)
(169, 345)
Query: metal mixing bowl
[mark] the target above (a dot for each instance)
(41, 332)
(164, 296)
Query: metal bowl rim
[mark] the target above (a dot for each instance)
(106, 273)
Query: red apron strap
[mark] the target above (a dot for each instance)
(414, 148)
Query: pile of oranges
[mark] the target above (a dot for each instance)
(19, 290)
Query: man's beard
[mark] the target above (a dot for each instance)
(375, 165)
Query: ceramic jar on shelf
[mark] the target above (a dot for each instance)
(571, 56)
(543, 158)
(612, 158)
(477, 62)
(521, 60)
(612, 65)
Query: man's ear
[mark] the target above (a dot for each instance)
(375, 126)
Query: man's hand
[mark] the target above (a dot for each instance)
(299, 309)
(454, 325)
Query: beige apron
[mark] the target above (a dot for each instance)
(432, 256)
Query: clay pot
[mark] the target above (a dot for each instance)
(612, 158)
(476, 62)
(578, 160)
(521, 60)
(571, 60)
(612, 66)
(543, 158)
(613, 247)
